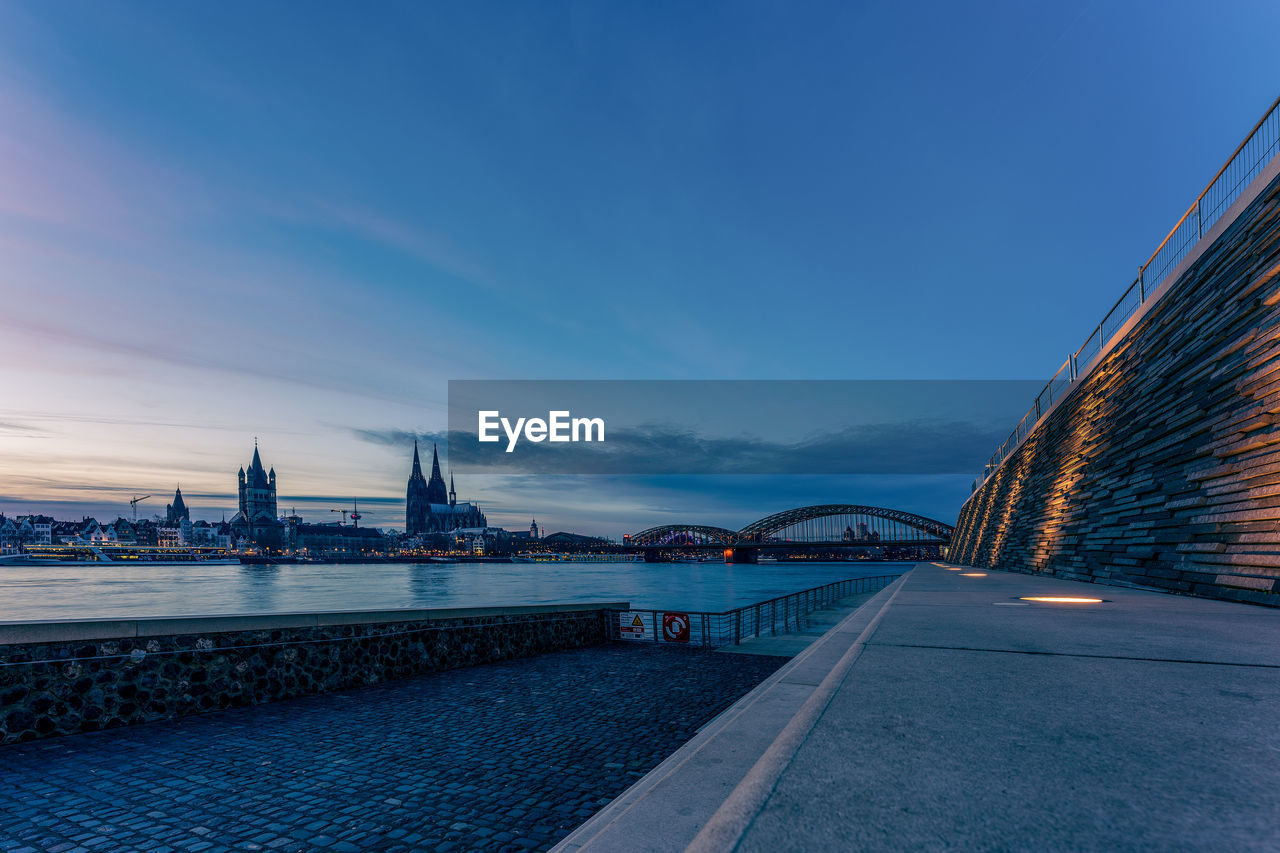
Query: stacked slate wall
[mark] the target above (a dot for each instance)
(1162, 469)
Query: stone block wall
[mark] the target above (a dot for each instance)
(61, 678)
(1162, 469)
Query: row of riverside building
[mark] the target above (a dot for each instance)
(435, 521)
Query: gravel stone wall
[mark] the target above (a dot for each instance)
(62, 687)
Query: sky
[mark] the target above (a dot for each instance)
(298, 221)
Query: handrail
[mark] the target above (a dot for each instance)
(1195, 204)
(1267, 133)
(773, 615)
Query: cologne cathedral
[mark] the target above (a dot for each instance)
(430, 508)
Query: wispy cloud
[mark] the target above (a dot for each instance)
(429, 246)
(401, 438)
(905, 447)
(15, 428)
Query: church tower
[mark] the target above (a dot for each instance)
(436, 491)
(176, 511)
(416, 502)
(257, 519)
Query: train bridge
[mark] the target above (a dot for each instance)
(810, 528)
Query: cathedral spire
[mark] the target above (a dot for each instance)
(437, 492)
(417, 466)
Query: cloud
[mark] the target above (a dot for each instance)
(432, 247)
(906, 447)
(21, 429)
(608, 504)
(400, 438)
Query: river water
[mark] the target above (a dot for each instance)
(87, 592)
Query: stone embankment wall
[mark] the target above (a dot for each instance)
(1162, 468)
(66, 677)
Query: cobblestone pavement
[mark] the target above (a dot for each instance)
(507, 756)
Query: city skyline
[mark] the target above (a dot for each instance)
(209, 240)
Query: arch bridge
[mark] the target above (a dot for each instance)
(822, 526)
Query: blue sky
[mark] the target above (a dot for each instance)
(299, 220)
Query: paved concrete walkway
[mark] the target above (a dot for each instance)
(949, 713)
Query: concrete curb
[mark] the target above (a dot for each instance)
(731, 820)
(666, 809)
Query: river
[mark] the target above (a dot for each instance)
(88, 592)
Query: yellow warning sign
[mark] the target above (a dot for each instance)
(634, 626)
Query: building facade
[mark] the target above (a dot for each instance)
(333, 539)
(430, 507)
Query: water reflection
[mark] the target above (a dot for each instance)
(429, 584)
(258, 588)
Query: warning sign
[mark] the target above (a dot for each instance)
(633, 626)
(675, 627)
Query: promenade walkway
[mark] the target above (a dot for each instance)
(950, 713)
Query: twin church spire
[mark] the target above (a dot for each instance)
(433, 491)
(430, 505)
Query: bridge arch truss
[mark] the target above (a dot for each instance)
(845, 523)
(683, 535)
(832, 524)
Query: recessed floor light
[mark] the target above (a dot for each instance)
(973, 574)
(1060, 599)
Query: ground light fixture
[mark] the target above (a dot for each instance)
(1059, 599)
(973, 574)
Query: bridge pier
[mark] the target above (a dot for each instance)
(741, 555)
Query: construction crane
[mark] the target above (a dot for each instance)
(354, 512)
(134, 503)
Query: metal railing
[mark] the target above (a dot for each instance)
(780, 615)
(1245, 164)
